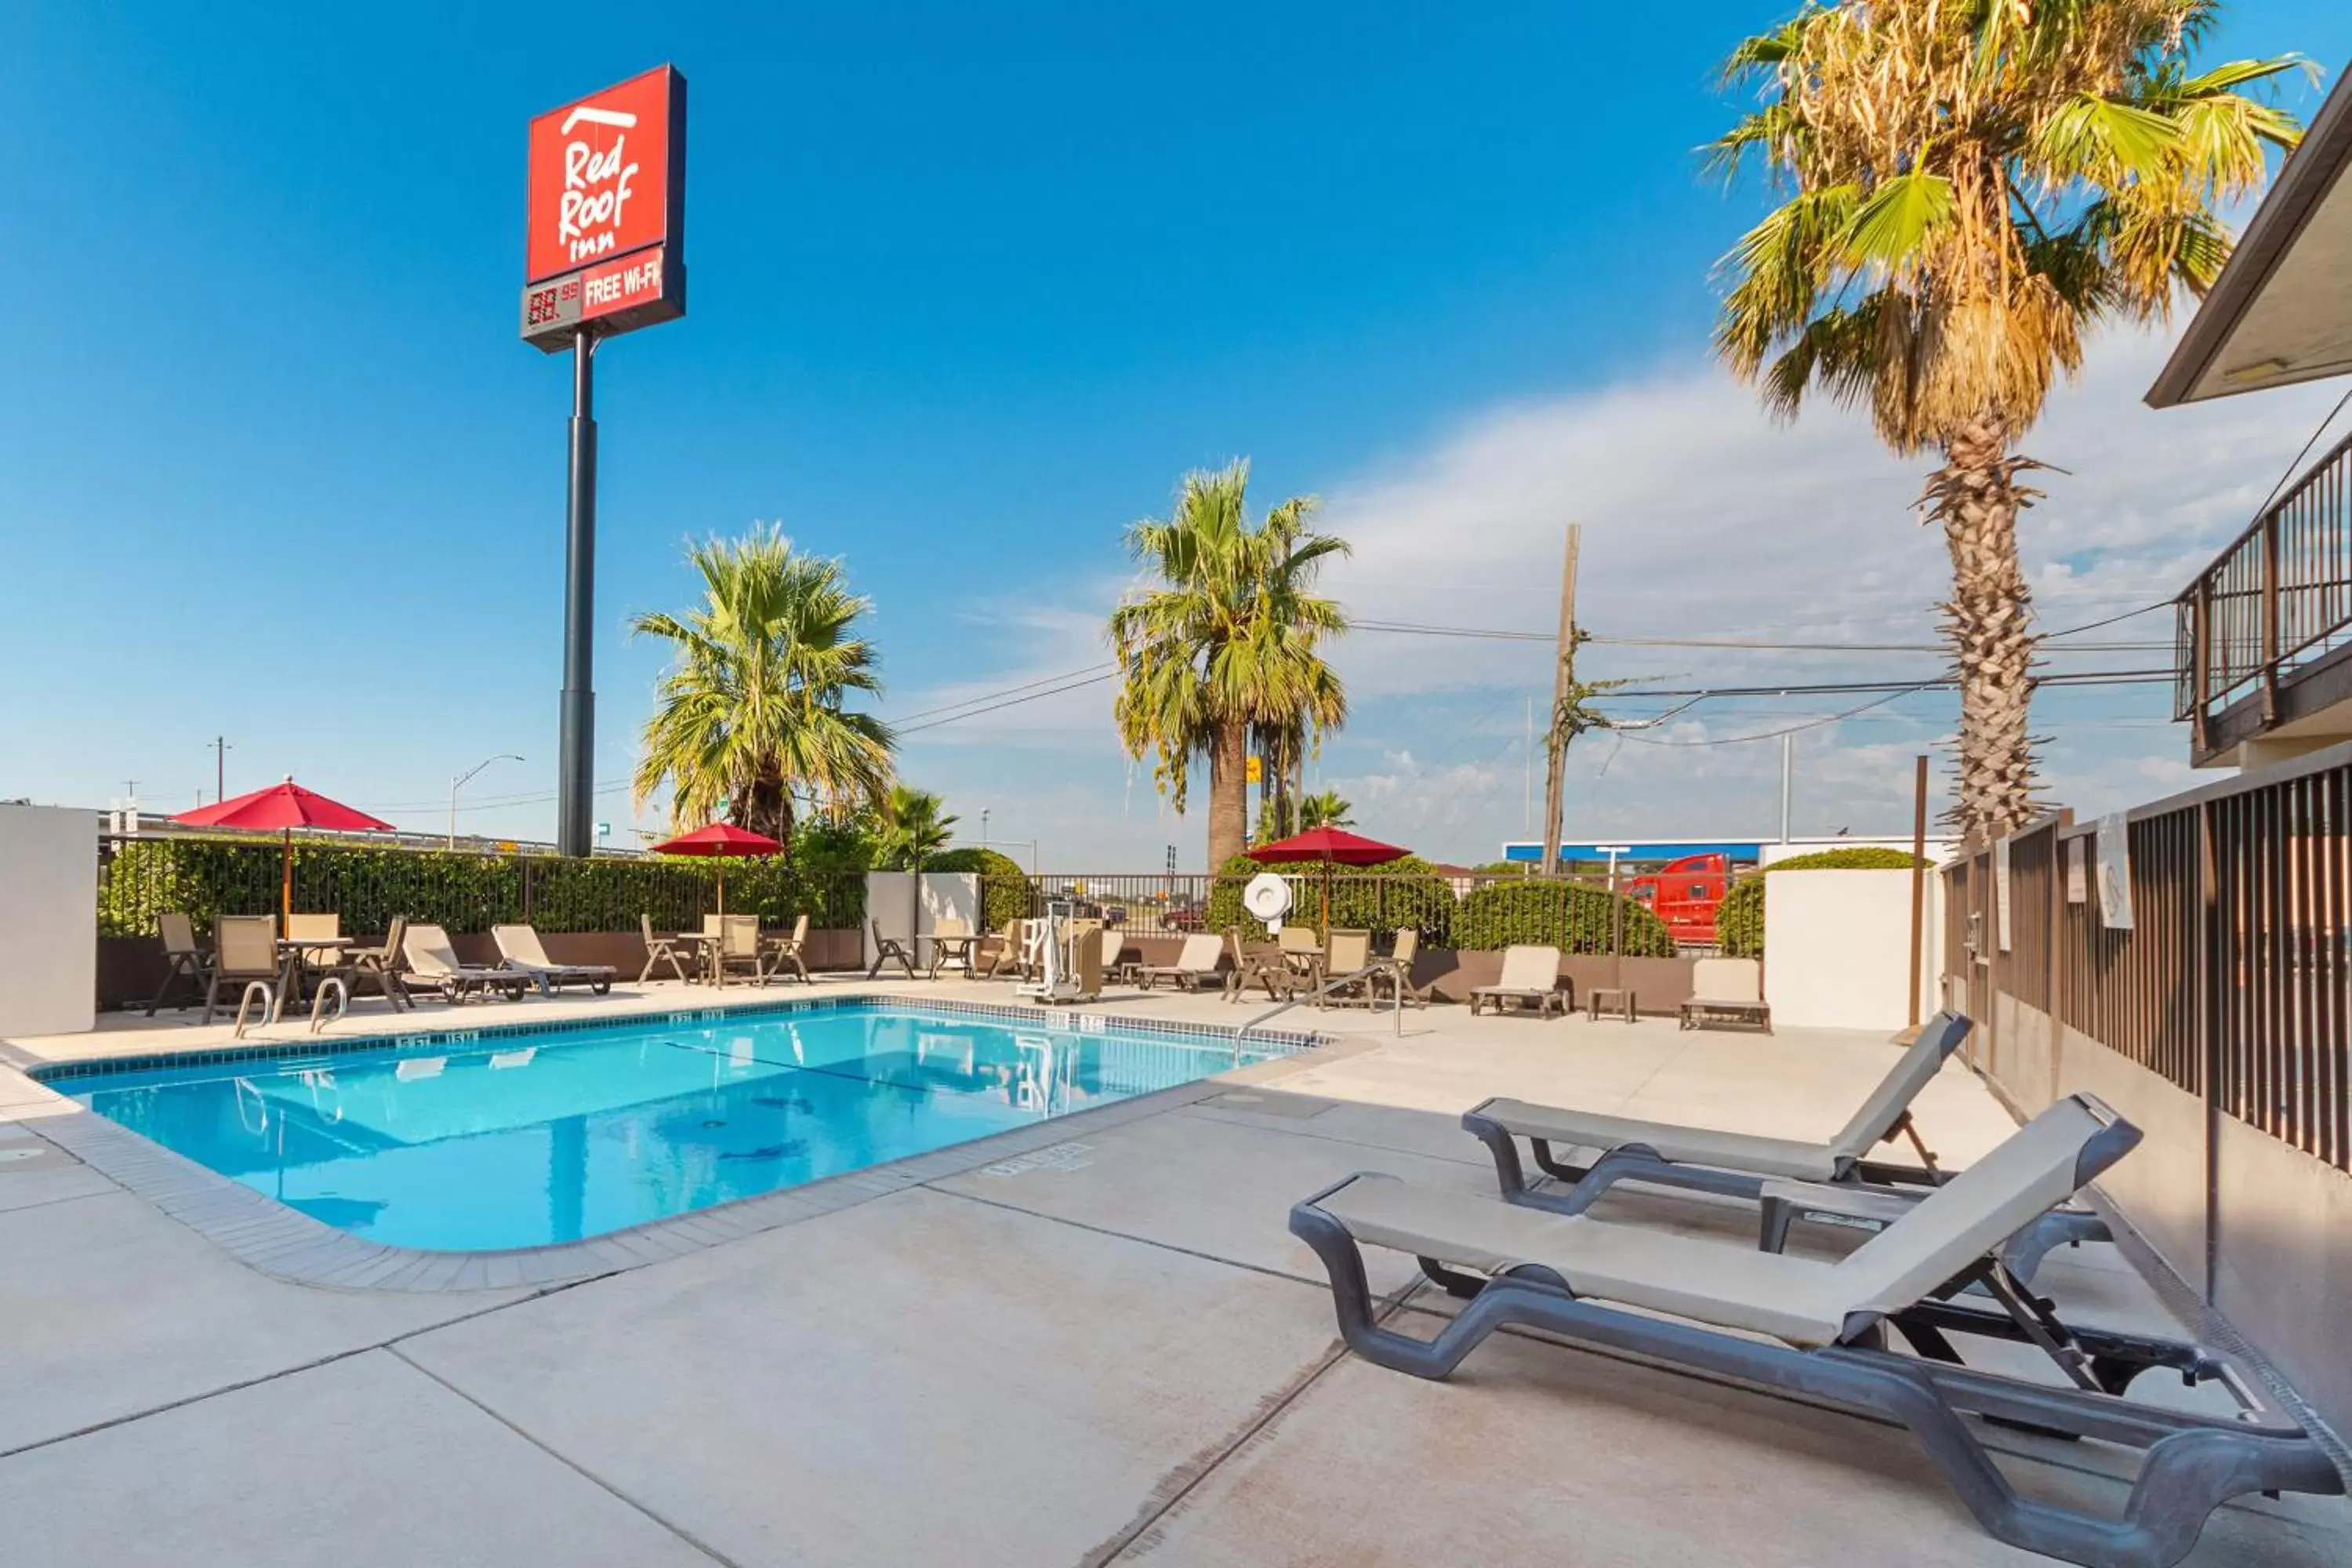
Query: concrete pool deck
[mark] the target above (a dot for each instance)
(1113, 1352)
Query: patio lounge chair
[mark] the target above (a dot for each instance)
(1530, 974)
(783, 949)
(659, 950)
(1729, 990)
(434, 963)
(1817, 1330)
(245, 949)
(182, 956)
(1001, 953)
(887, 948)
(1786, 1178)
(1116, 966)
(382, 964)
(520, 947)
(1195, 965)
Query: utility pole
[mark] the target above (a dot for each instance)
(1788, 756)
(220, 769)
(1528, 777)
(1919, 880)
(1555, 743)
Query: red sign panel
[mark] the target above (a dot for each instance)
(607, 176)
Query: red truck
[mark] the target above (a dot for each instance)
(1685, 894)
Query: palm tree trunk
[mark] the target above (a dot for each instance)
(1228, 791)
(1976, 495)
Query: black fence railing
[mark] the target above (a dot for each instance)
(366, 884)
(1480, 912)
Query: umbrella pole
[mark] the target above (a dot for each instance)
(286, 887)
(722, 887)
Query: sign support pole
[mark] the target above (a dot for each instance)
(576, 776)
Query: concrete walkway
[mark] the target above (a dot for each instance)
(1118, 1354)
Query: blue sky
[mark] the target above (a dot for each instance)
(971, 289)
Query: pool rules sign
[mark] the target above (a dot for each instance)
(605, 201)
(604, 253)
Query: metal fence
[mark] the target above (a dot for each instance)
(2233, 981)
(1467, 911)
(140, 877)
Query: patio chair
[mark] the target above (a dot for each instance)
(245, 949)
(738, 947)
(1788, 1180)
(1726, 989)
(887, 948)
(1258, 964)
(182, 956)
(520, 946)
(1301, 947)
(783, 949)
(1002, 952)
(1195, 965)
(951, 942)
(434, 963)
(382, 964)
(659, 950)
(1399, 971)
(1817, 1330)
(316, 963)
(1531, 974)
(1345, 952)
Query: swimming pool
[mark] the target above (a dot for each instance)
(522, 1138)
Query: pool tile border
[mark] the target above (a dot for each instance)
(428, 1042)
(287, 1245)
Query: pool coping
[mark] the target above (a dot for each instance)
(286, 1244)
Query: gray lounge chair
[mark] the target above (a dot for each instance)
(1819, 1330)
(433, 963)
(1726, 990)
(1788, 1179)
(1530, 974)
(520, 947)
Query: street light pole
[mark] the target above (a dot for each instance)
(458, 780)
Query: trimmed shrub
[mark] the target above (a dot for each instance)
(464, 892)
(1389, 897)
(1570, 916)
(1739, 919)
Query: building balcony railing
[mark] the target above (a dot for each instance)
(2274, 608)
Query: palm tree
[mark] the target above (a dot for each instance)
(751, 709)
(914, 829)
(1227, 639)
(1325, 808)
(1970, 185)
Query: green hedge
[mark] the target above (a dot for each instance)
(464, 892)
(1739, 919)
(1006, 891)
(1569, 916)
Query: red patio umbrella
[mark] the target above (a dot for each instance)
(723, 839)
(1328, 844)
(285, 806)
(1335, 844)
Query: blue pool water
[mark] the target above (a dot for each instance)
(521, 1139)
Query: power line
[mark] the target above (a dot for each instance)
(1007, 691)
(1010, 702)
(1748, 645)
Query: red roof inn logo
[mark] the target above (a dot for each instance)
(606, 211)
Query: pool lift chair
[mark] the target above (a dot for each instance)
(1070, 957)
(1818, 1330)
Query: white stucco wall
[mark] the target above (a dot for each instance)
(1837, 949)
(893, 898)
(49, 920)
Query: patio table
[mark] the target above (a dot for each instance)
(952, 949)
(294, 961)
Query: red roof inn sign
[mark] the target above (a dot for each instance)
(604, 236)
